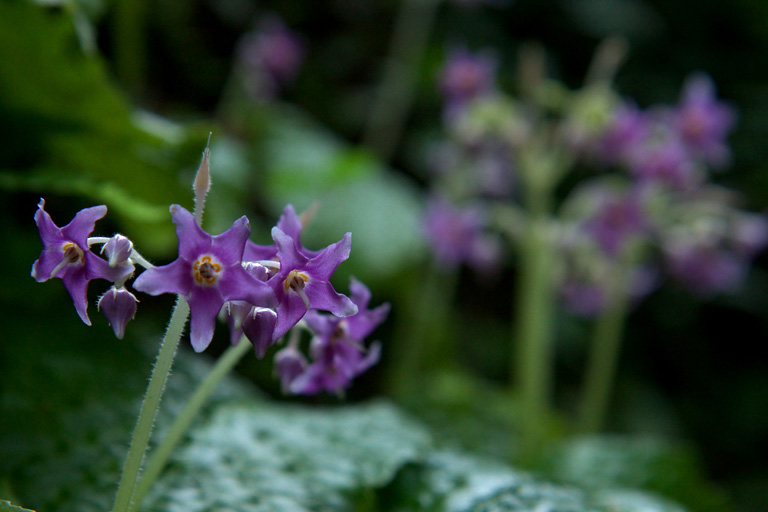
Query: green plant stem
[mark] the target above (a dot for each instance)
(532, 361)
(603, 359)
(181, 424)
(532, 364)
(149, 406)
(394, 96)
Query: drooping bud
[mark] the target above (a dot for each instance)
(119, 306)
(289, 364)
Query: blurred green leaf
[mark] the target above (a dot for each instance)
(269, 457)
(451, 481)
(70, 131)
(307, 165)
(650, 464)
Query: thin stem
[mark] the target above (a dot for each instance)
(395, 93)
(603, 359)
(532, 362)
(149, 406)
(160, 455)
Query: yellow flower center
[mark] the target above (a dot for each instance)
(206, 270)
(295, 281)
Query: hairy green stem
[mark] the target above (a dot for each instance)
(149, 406)
(603, 358)
(181, 424)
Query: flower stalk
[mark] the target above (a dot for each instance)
(163, 451)
(140, 439)
(604, 356)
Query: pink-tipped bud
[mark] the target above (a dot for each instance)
(202, 183)
(119, 306)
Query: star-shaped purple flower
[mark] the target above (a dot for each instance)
(290, 224)
(208, 273)
(303, 282)
(338, 353)
(66, 255)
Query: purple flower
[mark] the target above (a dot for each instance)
(628, 129)
(290, 224)
(456, 236)
(119, 306)
(664, 160)
(703, 122)
(303, 282)
(706, 269)
(66, 255)
(617, 219)
(465, 77)
(272, 55)
(338, 353)
(208, 273)
(289, 364)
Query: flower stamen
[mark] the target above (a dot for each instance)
(296, 281)
(72, 255)
(206, 271)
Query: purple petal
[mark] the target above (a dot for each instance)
(256, 252)
(321, 324)
(229, 245)
(50, 233)
(193, 241)
(360, 294)
(176, 277)
(77, 286)
(289, 223)
(83, 224)
(239, 284)
(259, 327)
(289, 255)
(364, 323)
(204, 305)
(322, 266)
(290, 310)
(322, 296)
(119, 306)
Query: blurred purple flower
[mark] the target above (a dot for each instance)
(664, 160)
(628, 128)
(616, 220)
(272, 55)
(465, 77)
(703, 122)
(706, 269)
(456, 236)
(66, 255)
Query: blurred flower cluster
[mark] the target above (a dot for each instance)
(629, 189)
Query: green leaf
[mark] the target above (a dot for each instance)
(650, 464)
(72, 132)
(455, 482)
(270, 457)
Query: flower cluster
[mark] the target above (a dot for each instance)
(263, 291)
(648, 209)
